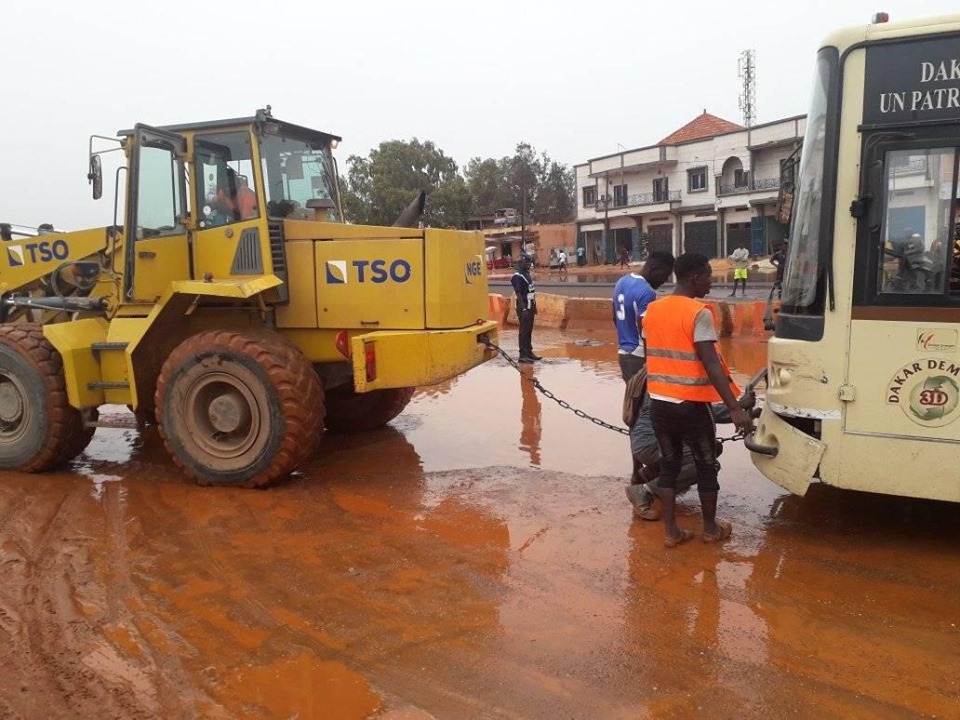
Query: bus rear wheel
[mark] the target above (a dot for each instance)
(239, 408)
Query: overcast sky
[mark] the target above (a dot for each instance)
(573, 78)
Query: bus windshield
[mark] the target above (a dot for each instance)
(804, 279)
(296, 171)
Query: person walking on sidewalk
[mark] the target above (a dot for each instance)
(624, 256)
(741, 260)
(631, 296)
(525, 292)
(685, 374)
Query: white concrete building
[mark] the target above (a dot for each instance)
(704, 188)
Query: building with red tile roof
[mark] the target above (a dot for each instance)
(706, 187)
(702, 126)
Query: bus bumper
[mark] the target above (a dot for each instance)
(785, 455)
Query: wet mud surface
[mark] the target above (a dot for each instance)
(475, 559)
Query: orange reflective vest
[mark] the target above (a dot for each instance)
(673, 368)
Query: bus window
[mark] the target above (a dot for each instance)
(803, 291)
(915, 257)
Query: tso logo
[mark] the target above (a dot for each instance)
(375, 271)
(43, 251)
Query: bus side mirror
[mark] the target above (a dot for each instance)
(787, 187)
(868, 205)
(95, 176)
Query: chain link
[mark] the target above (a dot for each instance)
(563, 403)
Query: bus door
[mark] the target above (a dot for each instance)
(903, 375)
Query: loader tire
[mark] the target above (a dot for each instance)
(39, 429)
(350, 411)
(239, 408)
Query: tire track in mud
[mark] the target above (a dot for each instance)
(53, 637)
(160, 678)
(9, 617)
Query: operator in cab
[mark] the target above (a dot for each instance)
(237, 201)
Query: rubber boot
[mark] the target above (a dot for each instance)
(708, 508)
(668, 512)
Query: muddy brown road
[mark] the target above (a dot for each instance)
(477, 559)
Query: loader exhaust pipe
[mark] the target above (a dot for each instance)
(412, 213)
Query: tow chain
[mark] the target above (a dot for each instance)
(546, 393)
(483, 339)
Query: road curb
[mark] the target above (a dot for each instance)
(567, 313)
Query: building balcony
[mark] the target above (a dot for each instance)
(640, 199)
(916, 165)
(751, 185)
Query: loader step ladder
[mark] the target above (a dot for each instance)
(99, 347)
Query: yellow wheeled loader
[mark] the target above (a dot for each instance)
(233, 306)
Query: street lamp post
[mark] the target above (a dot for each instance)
(523, 219)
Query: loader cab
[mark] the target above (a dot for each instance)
(205, 201)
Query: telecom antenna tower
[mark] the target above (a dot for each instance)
(747, 70)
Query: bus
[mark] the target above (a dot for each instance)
(863, 370)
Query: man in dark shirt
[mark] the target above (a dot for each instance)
(523, 287)
(779, 261)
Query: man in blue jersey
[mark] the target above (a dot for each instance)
(631, 295)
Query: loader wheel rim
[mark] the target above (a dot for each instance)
(222, 415)
(15, 414)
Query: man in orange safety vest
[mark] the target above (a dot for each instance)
(685, 374)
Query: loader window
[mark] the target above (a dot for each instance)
(226, 185)
(296, 171)
(158, 197)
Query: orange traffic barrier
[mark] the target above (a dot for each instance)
(589, 313)
(748, 317)
(498, 307)
(722, 318)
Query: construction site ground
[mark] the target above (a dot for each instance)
(475, 559)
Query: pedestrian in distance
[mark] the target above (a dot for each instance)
(779, 261)
(741, 260)
(631, 296)
(624, 257)
(643, 492)
(685, 374)
(581, 256)
(525, 292)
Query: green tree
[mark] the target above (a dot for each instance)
(554, 202)
(380, 186)
(377, 188)
(487, 185)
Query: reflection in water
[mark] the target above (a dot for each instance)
(705, 626)
(530, 420)
(744, 355)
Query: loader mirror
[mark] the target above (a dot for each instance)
(95, 176)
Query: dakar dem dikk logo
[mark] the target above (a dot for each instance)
(928, 391)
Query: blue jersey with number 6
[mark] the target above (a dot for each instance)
(631, 295)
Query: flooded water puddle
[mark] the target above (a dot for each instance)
(476, 558)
